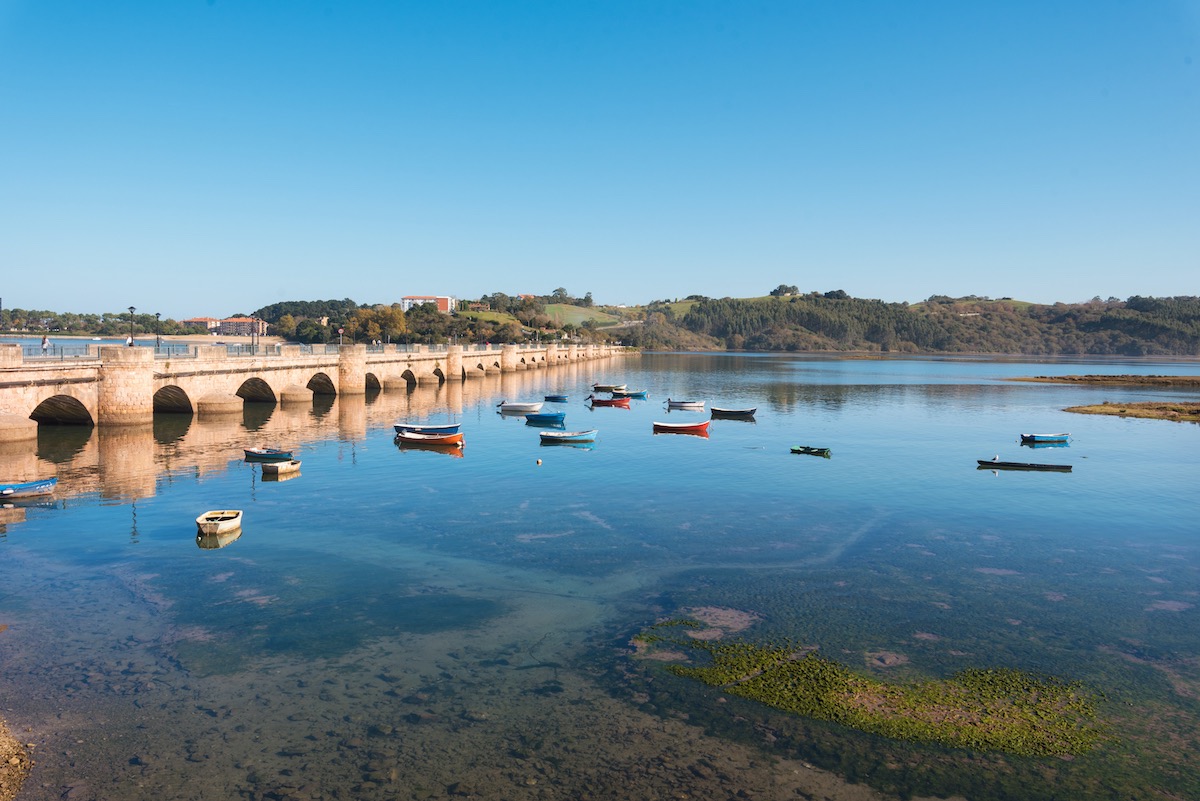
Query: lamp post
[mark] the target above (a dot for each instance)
(157, 331)
(131, 311)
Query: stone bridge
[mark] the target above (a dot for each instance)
(126, 386)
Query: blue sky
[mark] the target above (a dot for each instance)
(199, 157)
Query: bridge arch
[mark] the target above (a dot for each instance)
(321, 384)
(172, 398)
(62, 410)
(257, 390)
(373, 383)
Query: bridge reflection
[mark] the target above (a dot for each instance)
(128, 463)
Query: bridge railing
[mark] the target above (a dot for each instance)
(57, 353)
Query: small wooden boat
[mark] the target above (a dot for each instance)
(1044, 438)
(219, 521)
(267, 455)
(568, 436)
(413, 438)
(621, 402)
(685, 404)
(608, 387)
(545, 418)
(733, 413)
(428, 428)
(700, 428)
(811, 450)
(636, 394)
(28, 489)
(281, 468)
(555, 399)
(519, 408)
(995, 464)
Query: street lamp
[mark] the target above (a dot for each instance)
(131, 311)
(157, 331)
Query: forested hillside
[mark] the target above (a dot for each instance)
(1139, 326)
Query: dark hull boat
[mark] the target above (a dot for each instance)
(992, 464)
(809, 450)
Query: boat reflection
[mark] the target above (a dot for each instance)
(686, 433)
(276, 477)
(210, 542)
(449, 450)
(1045, 444)
(582, 446)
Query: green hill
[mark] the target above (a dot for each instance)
(562, 313)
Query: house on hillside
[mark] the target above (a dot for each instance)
(445, 303)
(208, 324)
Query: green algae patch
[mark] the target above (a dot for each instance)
(982, 709)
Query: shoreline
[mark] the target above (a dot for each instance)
(15, 764)
(1117, 380)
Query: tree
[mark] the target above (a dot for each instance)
(285, 326)
(783, 290)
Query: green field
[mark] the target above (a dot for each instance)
(562, 313)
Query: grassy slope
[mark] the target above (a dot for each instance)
(563, 313)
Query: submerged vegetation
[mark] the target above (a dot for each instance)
(1150, 410)
(981, 709)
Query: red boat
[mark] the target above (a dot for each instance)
(622, 402)
(699, 429)
(413, 438)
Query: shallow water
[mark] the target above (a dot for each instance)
(399, 623)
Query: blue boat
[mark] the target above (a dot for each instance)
(1044, 438)
(427, 428)
(267, 455)
(637, 394)
(28, 489)
(556, 399)
(545, 418)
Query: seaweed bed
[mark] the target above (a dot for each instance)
(983, 709)
(1150, 410)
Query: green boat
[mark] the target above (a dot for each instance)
(809, 450)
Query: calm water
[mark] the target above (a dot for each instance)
(410, 624)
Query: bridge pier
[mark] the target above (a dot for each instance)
(352, 370)
(509, 363)
(126, 394)
(454, 363)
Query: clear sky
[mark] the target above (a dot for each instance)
(207, 157)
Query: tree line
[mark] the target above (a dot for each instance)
(835, 321)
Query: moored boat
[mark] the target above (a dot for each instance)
(733, 413)
(267, 455)
(1045, 437)
(545, 418)
(636, 394)
(28, 489)
(512, 407)
(700, 428)
(428, 428)
(555, 399)
(289, 467)
(811, 450)
(568, 436)
(414, 438)
(608, 387)
(685, 404)
(995, 464)
(219, 521)
(621, 402)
